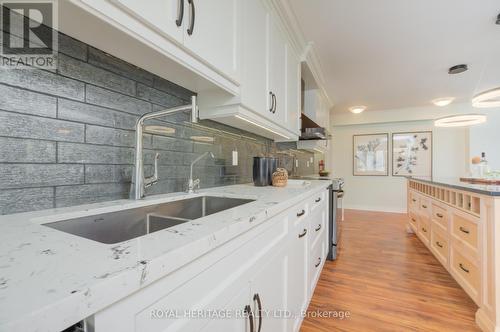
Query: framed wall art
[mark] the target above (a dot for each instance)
(370, 155)
(412, 154)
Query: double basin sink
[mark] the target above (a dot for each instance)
(128, 224)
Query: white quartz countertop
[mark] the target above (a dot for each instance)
(50, 280)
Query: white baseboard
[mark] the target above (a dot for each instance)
(391, 209)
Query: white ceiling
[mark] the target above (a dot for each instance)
(392, 54)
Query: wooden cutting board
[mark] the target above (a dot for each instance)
(480, 181)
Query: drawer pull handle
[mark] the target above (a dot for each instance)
(439, 244)
(301, 213)
(318, 200)
(413, 219)
(414, 200)
(424, 230)
(439, 215)
(319, 227)
(463, 230)
(303, 233)
(319, 262)
(463, 268)
(424, 206)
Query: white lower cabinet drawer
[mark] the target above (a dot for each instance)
(317, 258)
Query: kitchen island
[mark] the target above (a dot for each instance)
(459, 223)
(50, 279)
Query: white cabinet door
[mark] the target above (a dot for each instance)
(254, 90)
(298, 285)
(269, 294)
(292, 91)
(277, 72)
(211, 32)
(165, 16)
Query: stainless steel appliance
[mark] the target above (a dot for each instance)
(336, 193)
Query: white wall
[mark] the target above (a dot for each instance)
(388, 193)
(486, 138)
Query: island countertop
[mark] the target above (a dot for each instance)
(50, 280)
(483, 189)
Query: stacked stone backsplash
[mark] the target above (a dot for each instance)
(67, 135)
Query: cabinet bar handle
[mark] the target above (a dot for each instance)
(249, 313)
(439, 244)
(424, 230)
(272, 102)
(463, 268)
(439, 215)
(463, 230)
(303, 233)
(414, 200)
(424, 206)
(319, 227)
(256, 297)
(301, 213)
(192, 17)
(318, 200)
(413, 219)
(319, 262)
(180, 13)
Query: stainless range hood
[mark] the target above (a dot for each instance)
(310, 130)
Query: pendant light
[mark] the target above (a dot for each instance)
(460, 120)
(490, 98)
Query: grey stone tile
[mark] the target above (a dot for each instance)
(101, 97)
(104, 60)
(91, 193)
(179, 117)
(168, 158)
(158, 97)
(173, 172)
(23, 101)
(26, 126)
(23, 200)
(27, 151)
(94, 154)
(43, 81)
(172, 88)
(81, 112)
(39, 175)
(70, 67)
(167, 186)
(109, 173)
(72, 47)
(109, 136)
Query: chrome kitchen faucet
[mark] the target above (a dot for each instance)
(140, 182)
(195, 184)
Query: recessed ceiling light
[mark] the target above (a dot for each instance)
(490, 98)
(458, 69)
(357, 109)
(460, 120)
(443, 101)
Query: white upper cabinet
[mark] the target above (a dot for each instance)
(293, 91)
(166, 16)
(211, 32)
(277, 72)
(316, 107)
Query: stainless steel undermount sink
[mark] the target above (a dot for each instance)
(128, 224)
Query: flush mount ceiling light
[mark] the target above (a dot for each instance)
(357, 109)
(443, 101)
(458, 69)
(460, 120)
(490, 98)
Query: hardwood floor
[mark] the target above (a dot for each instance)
(388, 281)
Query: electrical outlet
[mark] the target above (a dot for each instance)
(297, 163)
(311, 160)
(307, 164)
(235, 158)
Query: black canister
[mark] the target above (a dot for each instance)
(272, 165)
(260, 171)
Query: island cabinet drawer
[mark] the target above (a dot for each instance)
(318, 200)
(317, 225)
(425, 206)
(465, 230)
(413, 217)
(440, 246)
(424, 229)
(414, 201)
(466, 271)
(316, 260)
(440, 216)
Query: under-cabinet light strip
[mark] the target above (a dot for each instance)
(261, 126)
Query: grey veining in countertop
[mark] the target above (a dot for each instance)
(50, 280)
(483, 189)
